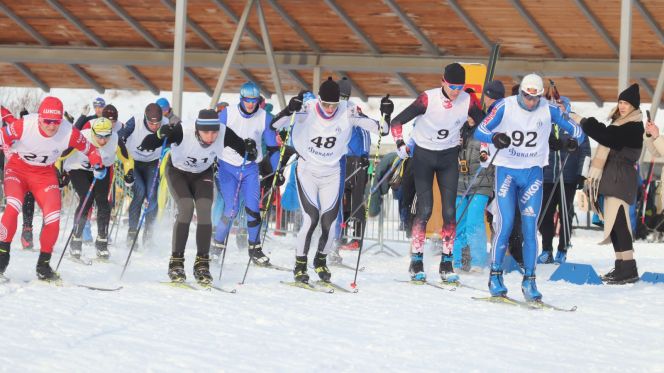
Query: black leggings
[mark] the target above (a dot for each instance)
(547, 228)
(445, 165)
(81, 180)
(620, 236)
(191, 191)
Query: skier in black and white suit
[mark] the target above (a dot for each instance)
(194, 149)
(320, 135)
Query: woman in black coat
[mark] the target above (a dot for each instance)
(613, 174)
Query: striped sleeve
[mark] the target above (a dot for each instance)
(490, 122)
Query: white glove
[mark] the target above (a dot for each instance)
(402, 149)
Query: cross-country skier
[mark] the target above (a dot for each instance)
(75, 167)
(35, 143)
(167, 111)
(251, 123)
(519, 126)
(98, 105)
(140, 137)
(190, 177)
(29, 200)
(439, 114)
(320, 135)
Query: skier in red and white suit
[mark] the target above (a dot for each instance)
(33, 144)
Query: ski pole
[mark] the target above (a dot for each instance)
(279, 169)
(372, 172)
(230, 223)
(555, 185)
(374, 189)
(118, 207)
(155, 179)
(79, 214)
(266, 214)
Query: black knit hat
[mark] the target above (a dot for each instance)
(208, 120)
(153, 113)
(455, 74)
(110, 112)
(494, 90)
(329, 91)
(631, 95)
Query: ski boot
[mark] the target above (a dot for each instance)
(87, 232)
(44, 271)
(257, 256)
(446, 271)
(416, 268)
(496, 286)
(300, 270)
(627, 273)
(529, 287)
(216, 250)
(202, 270)
(4, 256)
(334, 257)
(76, 247)
(561, 257)
(176, 268)
(26, 239)
(612, 273)
(101, 244)
(546, 257)
(320, 266)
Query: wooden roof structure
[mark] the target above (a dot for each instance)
(382, 46)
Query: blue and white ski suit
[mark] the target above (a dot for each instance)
(519, 169)
(257, 127)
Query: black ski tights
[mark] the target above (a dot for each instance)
(191, 191)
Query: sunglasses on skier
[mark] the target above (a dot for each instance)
(52, 122)
(530, 97)
(251, 100)
(454, 87)
(102, 137)
(328, 105)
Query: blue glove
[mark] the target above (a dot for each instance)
(100, 173)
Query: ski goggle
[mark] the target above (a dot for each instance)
(328, 105)
(454, 87)
(151, 123)
(251, 100)
(102, 137)
(52, 122)
(530, 97)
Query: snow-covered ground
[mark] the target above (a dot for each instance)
(268, 326)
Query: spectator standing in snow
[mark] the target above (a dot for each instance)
(613, 174)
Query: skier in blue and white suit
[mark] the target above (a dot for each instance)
(251, 123)
(520, 125)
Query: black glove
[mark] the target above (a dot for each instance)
(165, 131)
(555, 144)
(280, 179)
(501, 140)
(295, 103)
(386, 108)
(571, 146)
(63, 178)
(129, 178)
(580, 181)
(250, 149)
